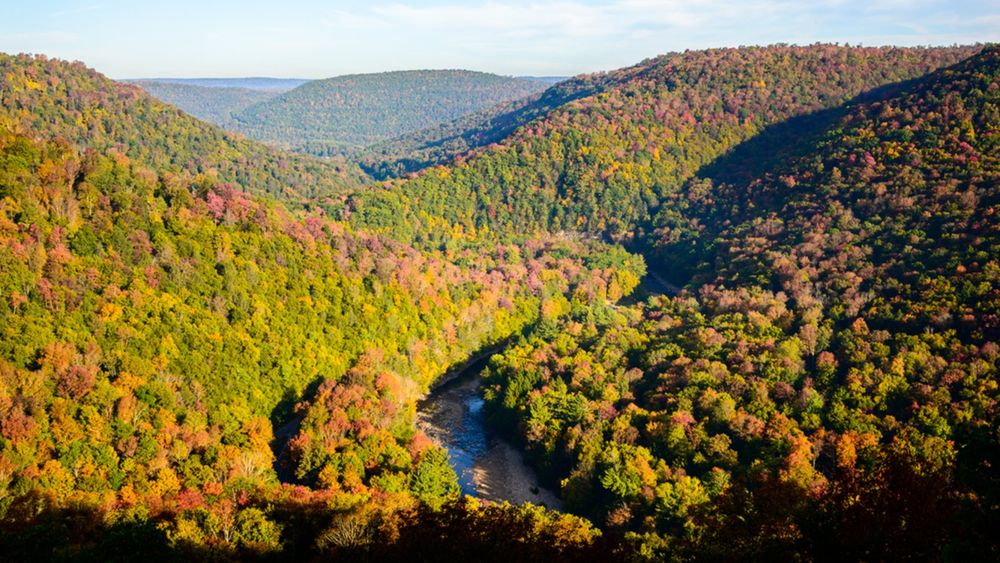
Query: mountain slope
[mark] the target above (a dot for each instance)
(834, 209)
(357, 110)
(830, 383)
(437, 145)
(605, 164)
(910, 186)
(189, 366)
(55, 99)
(212, 104)
(172, 347)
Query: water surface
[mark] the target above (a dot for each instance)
(488, 466)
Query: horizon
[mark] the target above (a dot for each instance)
(310, 39)
(508, 75)
(268, 77)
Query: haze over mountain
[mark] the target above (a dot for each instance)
(214, 349)
(214, 104)
(325, 116)
(216, 99)
(262, 83)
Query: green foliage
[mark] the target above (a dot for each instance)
(434, 478)
(610, 163)
(838, 341)
(439, 144)
(158, 330)
(173, 347)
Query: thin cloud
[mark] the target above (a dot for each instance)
(76, 11)
(319, 38)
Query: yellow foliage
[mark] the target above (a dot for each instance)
(127, 495)
(166, 483)
(111, 312)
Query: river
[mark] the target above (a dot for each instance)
(488, 466)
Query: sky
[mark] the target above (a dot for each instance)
(317, 39)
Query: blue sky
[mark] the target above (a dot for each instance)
(314, 39)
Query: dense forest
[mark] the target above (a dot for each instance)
(326, 117)
(436, 145)
(53, 99)
(172, 342)
(201, 360)
(213, 104)
(602, 165)
(841, 316)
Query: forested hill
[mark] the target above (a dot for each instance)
(49, 99)
(440, 143)
(604, 164)
(325, 116)
(887, 213)
(214, 104)
(828, 384)
(187, 366)
(191, 368)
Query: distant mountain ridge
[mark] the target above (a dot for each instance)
(220, 100)
(263, 83)
(215, 104)
(441, 143)
(331, 115)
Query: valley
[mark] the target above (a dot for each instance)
(722, 304)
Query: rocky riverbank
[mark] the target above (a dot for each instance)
(487, 466)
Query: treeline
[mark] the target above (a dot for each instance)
(608, 164)
(297, 524)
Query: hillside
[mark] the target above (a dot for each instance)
(214, 104)
(192, 367)
(326, 116)
(441, 143)
(180, 358)
(604, 164)
(833, 362)
(166, 343)
(50, 98)
(843, 343)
